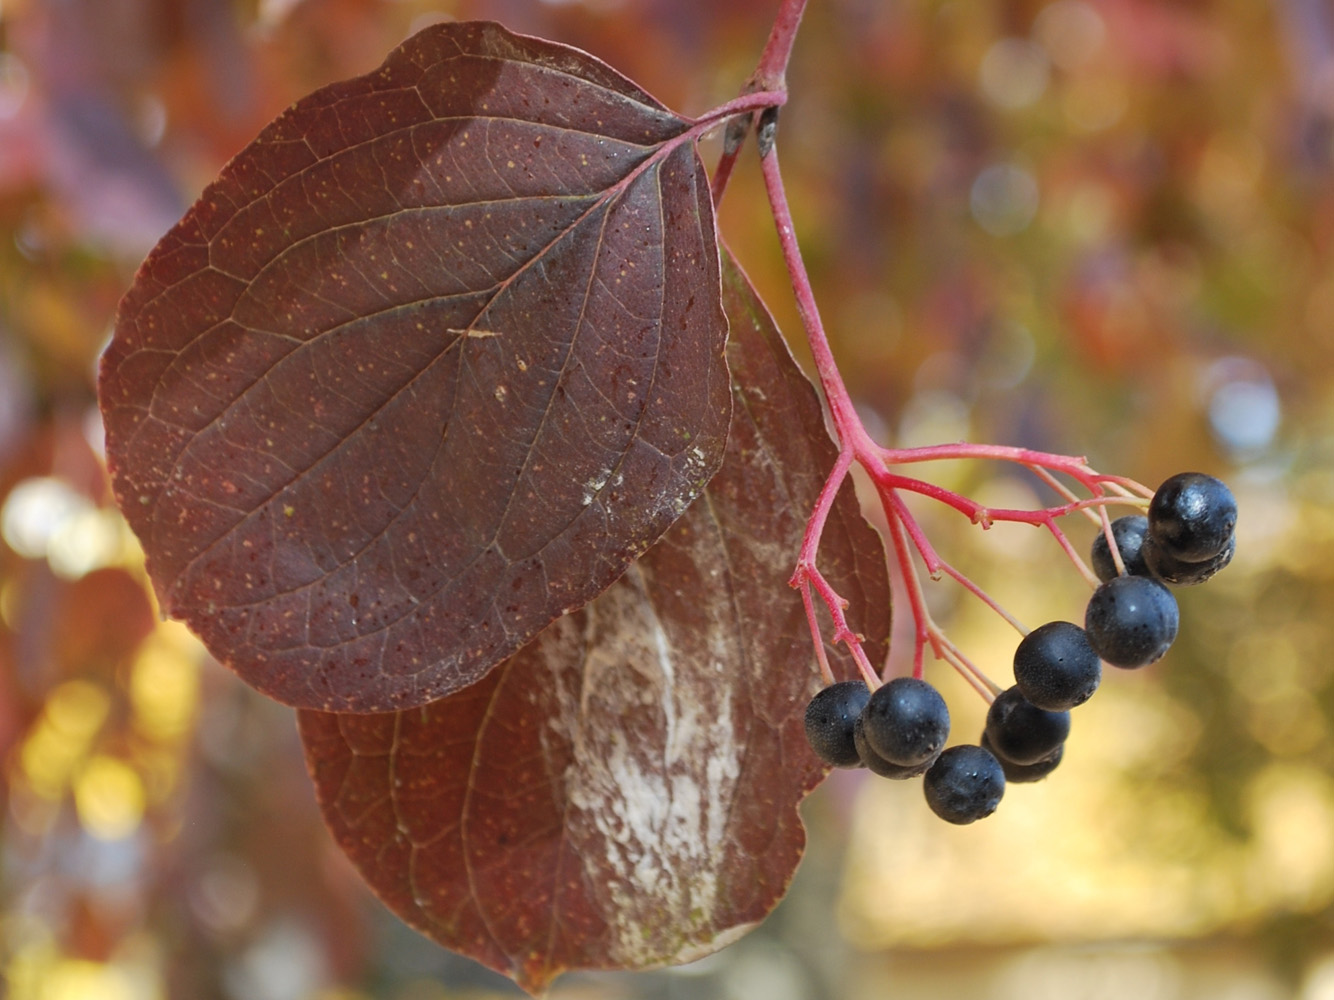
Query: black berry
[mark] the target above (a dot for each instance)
(829, 719)
(1180, 573)
(878, 765)
(1129, 532)
(964, 785)
(906, 721)
(1019, 774)
(1131, 621)
(1055, 667)
(1021, 732)
(1192, 516)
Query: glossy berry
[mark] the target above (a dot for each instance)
(1021, 732)
(1180, 573)
(878, 765)
(906, 721)
(829, 719)
(1129, 532)
(1055, 667)
(964, 785)
(1192, 516)
(1131, 621)
(1019, 774)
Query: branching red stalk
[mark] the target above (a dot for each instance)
(815, 525)
(768, 83)
(858, 446)
(836, 605)
(935, 565)
(1061, 489)
(852, 434)
(926, 631)
(1128, 487)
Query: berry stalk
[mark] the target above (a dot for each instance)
(905, 534)
(897, 728)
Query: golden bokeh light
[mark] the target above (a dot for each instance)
(62, 736)
(109, 796)
(164, 683)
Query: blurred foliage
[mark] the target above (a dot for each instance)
(1097, 226)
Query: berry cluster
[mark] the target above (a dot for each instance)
(899, 730)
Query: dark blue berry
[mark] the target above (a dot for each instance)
(964, 785)
(1055, 667)
(906, 721)
(878, 765)
(1131, 621)
(1021, 732)
(829, 719)
(1192, 516)
(1018, 774)
(1180, 573)
(1129, 532)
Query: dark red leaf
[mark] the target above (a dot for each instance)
(623, 792)
(435, 358)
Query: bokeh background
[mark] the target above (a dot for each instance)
(1103, 227)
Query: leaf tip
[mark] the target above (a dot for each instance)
(535, 974)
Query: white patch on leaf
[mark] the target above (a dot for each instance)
(656, 763)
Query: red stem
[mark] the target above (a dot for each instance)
(771, 73)
(826, 673)
(851, 433)
(810, 542)
(747, 103)
(857, 446)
